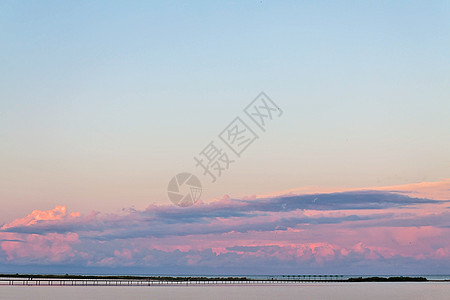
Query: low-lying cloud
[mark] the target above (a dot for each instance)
(323, 231)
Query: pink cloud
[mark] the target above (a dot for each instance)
(58, 213)
(438, 190)
(350, 228)
(52, 247)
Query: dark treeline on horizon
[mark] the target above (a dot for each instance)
(203, 278)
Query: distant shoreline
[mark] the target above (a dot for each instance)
(305, 278)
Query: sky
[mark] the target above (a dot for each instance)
(102, 103)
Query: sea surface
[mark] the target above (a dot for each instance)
(321, 290)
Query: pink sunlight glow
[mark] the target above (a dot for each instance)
(344, 228)
(58, 213)
(438, 190)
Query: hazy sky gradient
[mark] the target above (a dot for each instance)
(102, 103)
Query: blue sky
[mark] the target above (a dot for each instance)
(101, 103)
(104, 94)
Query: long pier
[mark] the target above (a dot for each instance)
(150, 282)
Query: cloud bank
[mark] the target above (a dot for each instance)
(377, 231)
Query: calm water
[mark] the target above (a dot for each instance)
(371, 290)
